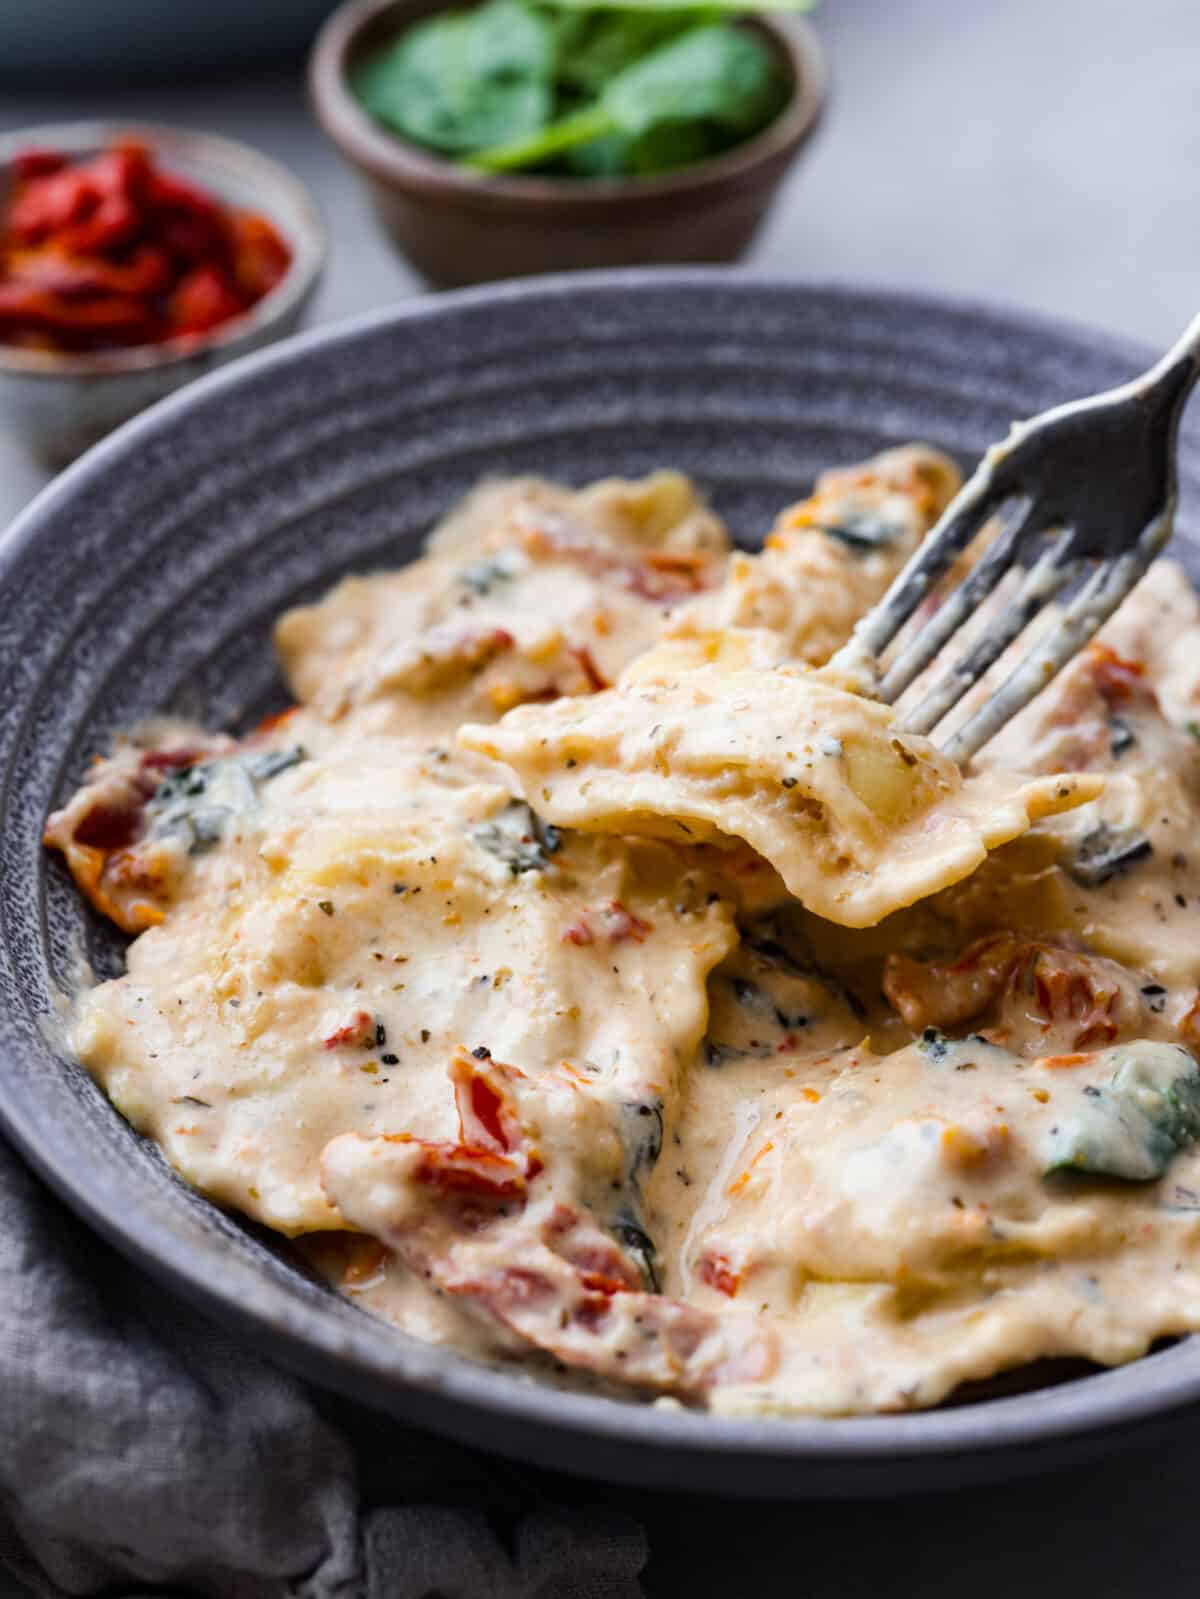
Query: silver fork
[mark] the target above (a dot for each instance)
(1086, 496)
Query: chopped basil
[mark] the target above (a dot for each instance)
(1106, 852)
(519, 838)
(1133, 1125)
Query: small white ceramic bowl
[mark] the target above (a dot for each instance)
(58, 404)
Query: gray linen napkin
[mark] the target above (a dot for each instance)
(140, 1449)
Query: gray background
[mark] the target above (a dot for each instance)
(1041, 153)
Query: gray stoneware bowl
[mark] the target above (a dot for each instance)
(146, 578)
(58, 405)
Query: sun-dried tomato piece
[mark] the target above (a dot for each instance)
(1119, 681)
(360, 1029)
(1055, 984)
(714, 1268)
(113, 252)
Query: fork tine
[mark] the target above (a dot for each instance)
(1081, 621)
(959, 524)
(1043, 581)
(965, 599)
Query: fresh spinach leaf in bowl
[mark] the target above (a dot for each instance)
(574, 89)
(465, 79)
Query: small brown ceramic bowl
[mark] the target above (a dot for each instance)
(460, 227)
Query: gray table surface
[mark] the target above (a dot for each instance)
(1035, 152)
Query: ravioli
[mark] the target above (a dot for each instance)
(829, 558)
(528, 590)
(857, 819)
(331, 961)
(896, 1213)
(585, 981)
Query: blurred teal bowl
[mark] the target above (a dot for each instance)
(50, 40)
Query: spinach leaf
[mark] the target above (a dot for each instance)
(518, 837)
(603, 43)
(1121, 737)
(464, 79)
(606, 157)
(481, 577)
(641, 1136)
(639, 1246)
(1105, 852)
(863, 531)
(709, 8)
(197, 803)
(715, 74)
(1134, 1124)
(641, 1132)
(670, 145)
(961, 1054)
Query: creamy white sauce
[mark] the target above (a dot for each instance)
(526, 1081)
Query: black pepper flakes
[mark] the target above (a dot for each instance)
(325, 905)
(390, 1060)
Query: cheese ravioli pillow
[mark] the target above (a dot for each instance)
(857, 819)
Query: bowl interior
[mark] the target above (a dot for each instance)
(241, 177)
(147, 577)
